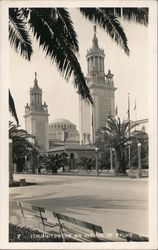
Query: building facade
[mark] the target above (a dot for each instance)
(62, 131)
(36, 117)
(101, 85)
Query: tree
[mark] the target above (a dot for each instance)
(105, 158)
(54, 32)
(87, 163)
(116, 135)
(21, 146)
(141, 137)
(55, 161)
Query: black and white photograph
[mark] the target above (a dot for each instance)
(79, 130)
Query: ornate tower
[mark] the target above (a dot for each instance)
(36, 116)
(93, 117)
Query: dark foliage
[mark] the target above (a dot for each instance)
(12, 108)
(87, 163)
(21, 146)
(18, 33)
(116, 135)
(23, 234)
(109, 22)
(55, 161)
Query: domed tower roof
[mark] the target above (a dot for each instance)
(36, 88)
(61, 121)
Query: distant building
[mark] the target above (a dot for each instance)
(141, 125)
(62, 131)
(93, 117)
(36, 117)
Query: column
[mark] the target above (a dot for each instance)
(103, 64)
(98, 64)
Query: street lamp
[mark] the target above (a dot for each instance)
(25, 162)
(128, 144)
(139, 159)
(97, 169)
(129, 156)
(111, 165)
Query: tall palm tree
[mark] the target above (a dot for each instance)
(116, 135)
(21, 146)
(54, 31)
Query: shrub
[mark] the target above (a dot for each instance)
(23, 234)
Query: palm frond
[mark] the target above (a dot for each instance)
(18, 34)
(16, 132)
(66, 24)
(12, 108)
(53, 40)
(108, 22)
(138, 15)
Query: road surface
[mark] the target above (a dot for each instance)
(107, 201)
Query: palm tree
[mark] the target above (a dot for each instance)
(21, 146)
(116, 135)
(141, 137)
(54, 31)
(55, 161)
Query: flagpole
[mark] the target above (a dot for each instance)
(135, 118)
(129, 120)
(135, 109)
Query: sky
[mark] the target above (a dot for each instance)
(130, 73)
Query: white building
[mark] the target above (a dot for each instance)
(93, 117)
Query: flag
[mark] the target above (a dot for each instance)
(135, 106)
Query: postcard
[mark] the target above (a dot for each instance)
(79, 138)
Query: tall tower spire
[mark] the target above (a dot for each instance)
(35, 81)
(36, 116)
(95, 61)
(95, 40)
(93, 117)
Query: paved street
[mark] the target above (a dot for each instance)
(109, 202)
